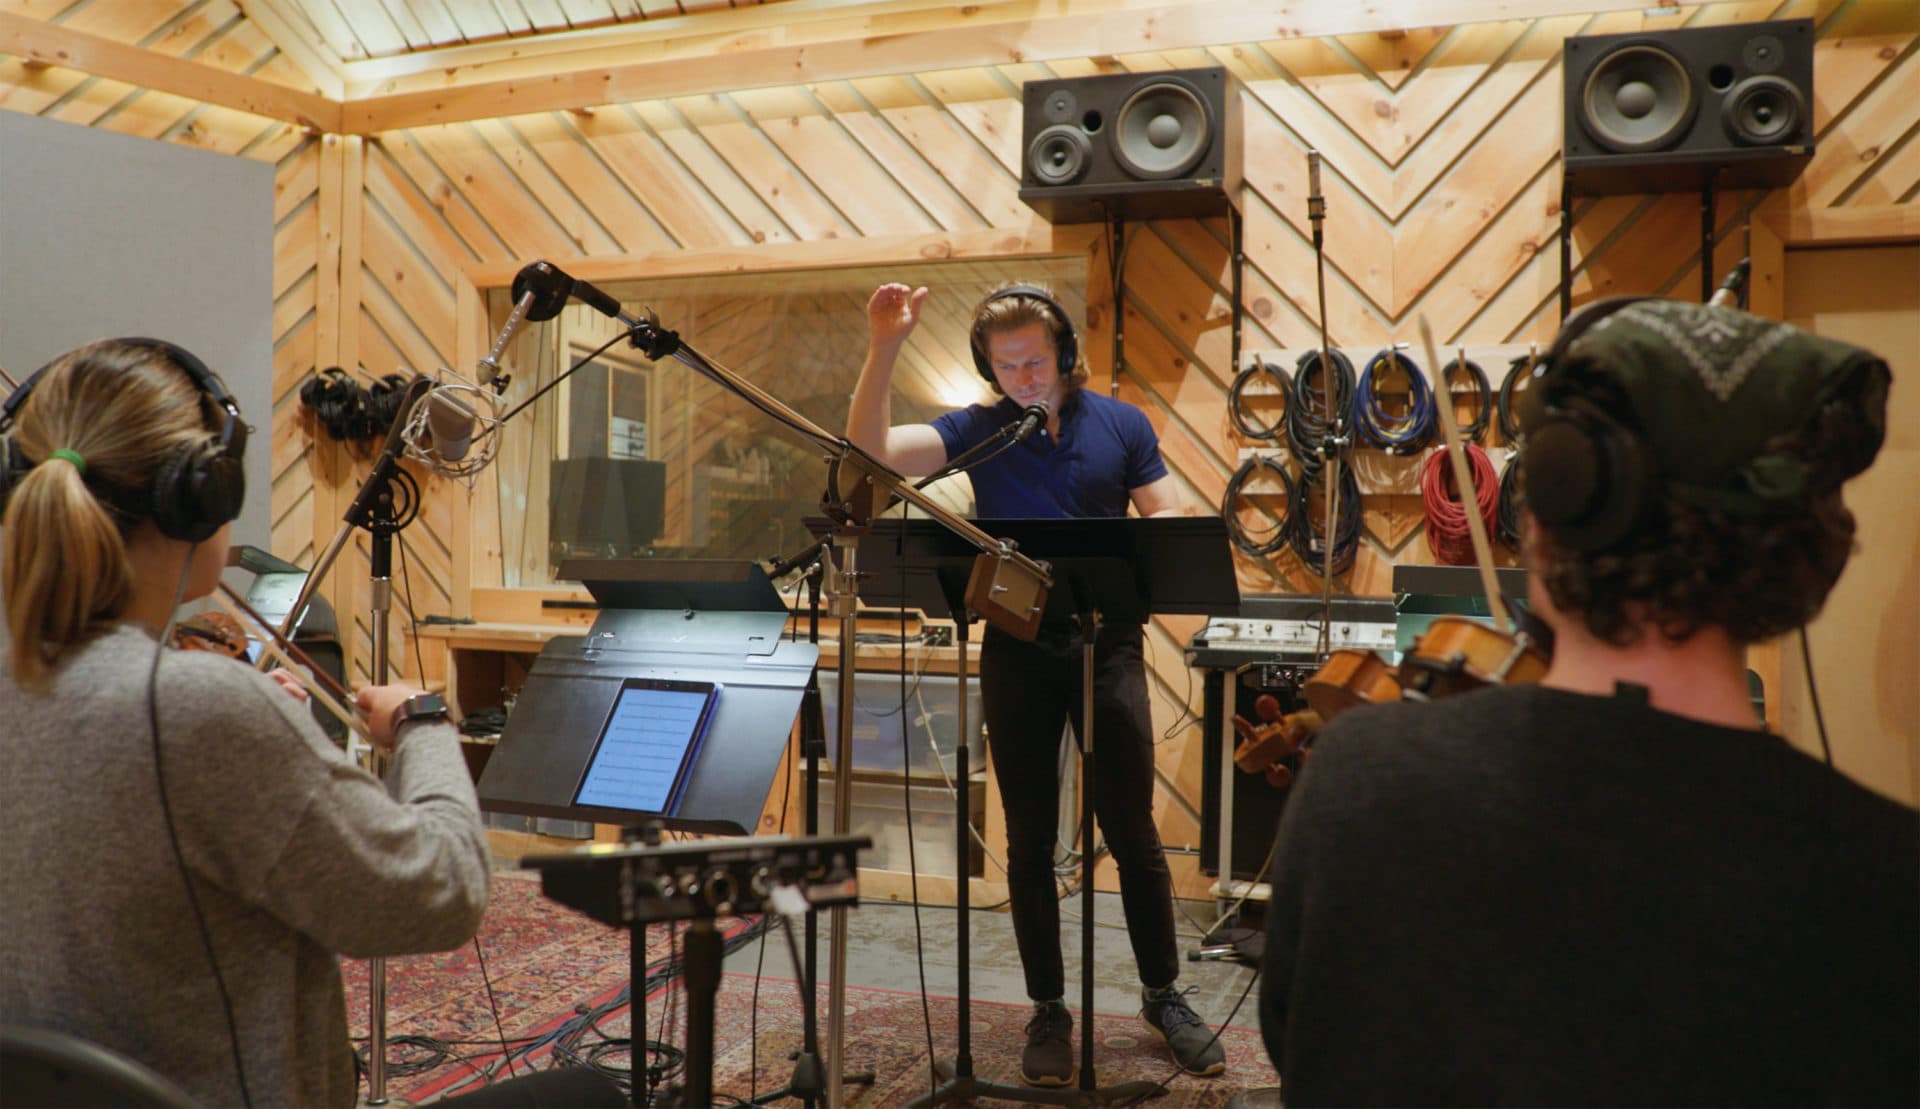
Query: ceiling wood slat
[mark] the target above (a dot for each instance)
(56, 45)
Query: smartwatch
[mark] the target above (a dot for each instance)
(420, 706)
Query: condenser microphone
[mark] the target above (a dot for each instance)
(450, 425)
(1728, 294)
(1033, 418)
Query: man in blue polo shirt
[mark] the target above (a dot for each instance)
(1093, 457)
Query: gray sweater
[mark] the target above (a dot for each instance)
(297, 856)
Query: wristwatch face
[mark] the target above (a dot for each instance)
(424, 706)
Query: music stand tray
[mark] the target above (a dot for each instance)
(666, 619)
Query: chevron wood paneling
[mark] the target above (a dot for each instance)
(1441, 148)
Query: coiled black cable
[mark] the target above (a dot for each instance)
(1483, 395)
(1230, 503)
(1511, 500)
(1236, 407)
(1306, 534)
(1401, 435)
(1509, 422)
(1307, 426)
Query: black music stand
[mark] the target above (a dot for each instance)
(709, 620)
(1118, 569)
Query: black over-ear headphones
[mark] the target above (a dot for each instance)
(1065, 340)
(198, 488)
(1589, 479)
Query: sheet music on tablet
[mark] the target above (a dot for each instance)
(646, 749)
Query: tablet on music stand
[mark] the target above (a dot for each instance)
(641, 759)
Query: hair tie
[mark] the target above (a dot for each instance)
(70, 455)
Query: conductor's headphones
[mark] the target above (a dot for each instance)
(197, 489)
(1589, 478)
(1065, 341)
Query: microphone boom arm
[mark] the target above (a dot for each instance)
(657, 343)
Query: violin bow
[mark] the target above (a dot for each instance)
(333, 696)
(1463, 482)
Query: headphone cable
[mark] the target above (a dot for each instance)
(173, 834)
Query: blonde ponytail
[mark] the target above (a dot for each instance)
(123, 409)
(66, 568)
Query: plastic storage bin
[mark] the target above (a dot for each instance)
(931, 719)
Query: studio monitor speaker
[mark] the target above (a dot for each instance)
(1665, 111)
(1132, 145)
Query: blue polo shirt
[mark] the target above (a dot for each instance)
(1106, 448)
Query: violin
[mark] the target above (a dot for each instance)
(1454, 655)
(211, 631)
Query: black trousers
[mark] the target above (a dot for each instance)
(1028, 691)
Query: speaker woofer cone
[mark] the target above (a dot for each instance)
(1059, 155)
(1163, 130)
(1638, 97)
(1763, 111)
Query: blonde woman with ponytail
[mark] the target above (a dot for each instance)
(187, 853)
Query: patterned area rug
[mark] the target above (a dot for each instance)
(547, 964)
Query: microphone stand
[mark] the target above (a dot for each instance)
(1012, 588)
(1334, 438)
(808, 1079)
(373, 510)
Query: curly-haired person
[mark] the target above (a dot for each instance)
(1616, 887)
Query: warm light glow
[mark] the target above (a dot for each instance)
(959, 394)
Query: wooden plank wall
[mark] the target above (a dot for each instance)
(1442, 150)
(216, 33)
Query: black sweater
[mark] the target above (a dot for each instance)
(1526, 896)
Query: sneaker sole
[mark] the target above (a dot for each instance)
(1048, 1079)
(1217, 1068)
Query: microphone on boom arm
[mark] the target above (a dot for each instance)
(540, 291)
(1728, 295)
(1034, 418)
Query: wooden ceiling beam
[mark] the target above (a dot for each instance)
(312, 58)
(967, 42)
(51, 44)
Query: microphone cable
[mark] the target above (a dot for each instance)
(1236, 403)
(1307, 426)
(1449, 533)
(1510, 423)
(1242, 539)
(1402, 435)
(1305, 535)
(1483, 395)
(1511, 499)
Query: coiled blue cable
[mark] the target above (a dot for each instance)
(1394, 434)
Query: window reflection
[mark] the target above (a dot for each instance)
(627, 459)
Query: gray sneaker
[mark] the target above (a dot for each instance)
(1048, 1058)
(1195, 1047)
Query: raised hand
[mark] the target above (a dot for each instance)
(893, 312)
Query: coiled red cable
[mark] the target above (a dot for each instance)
(1448, 533)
